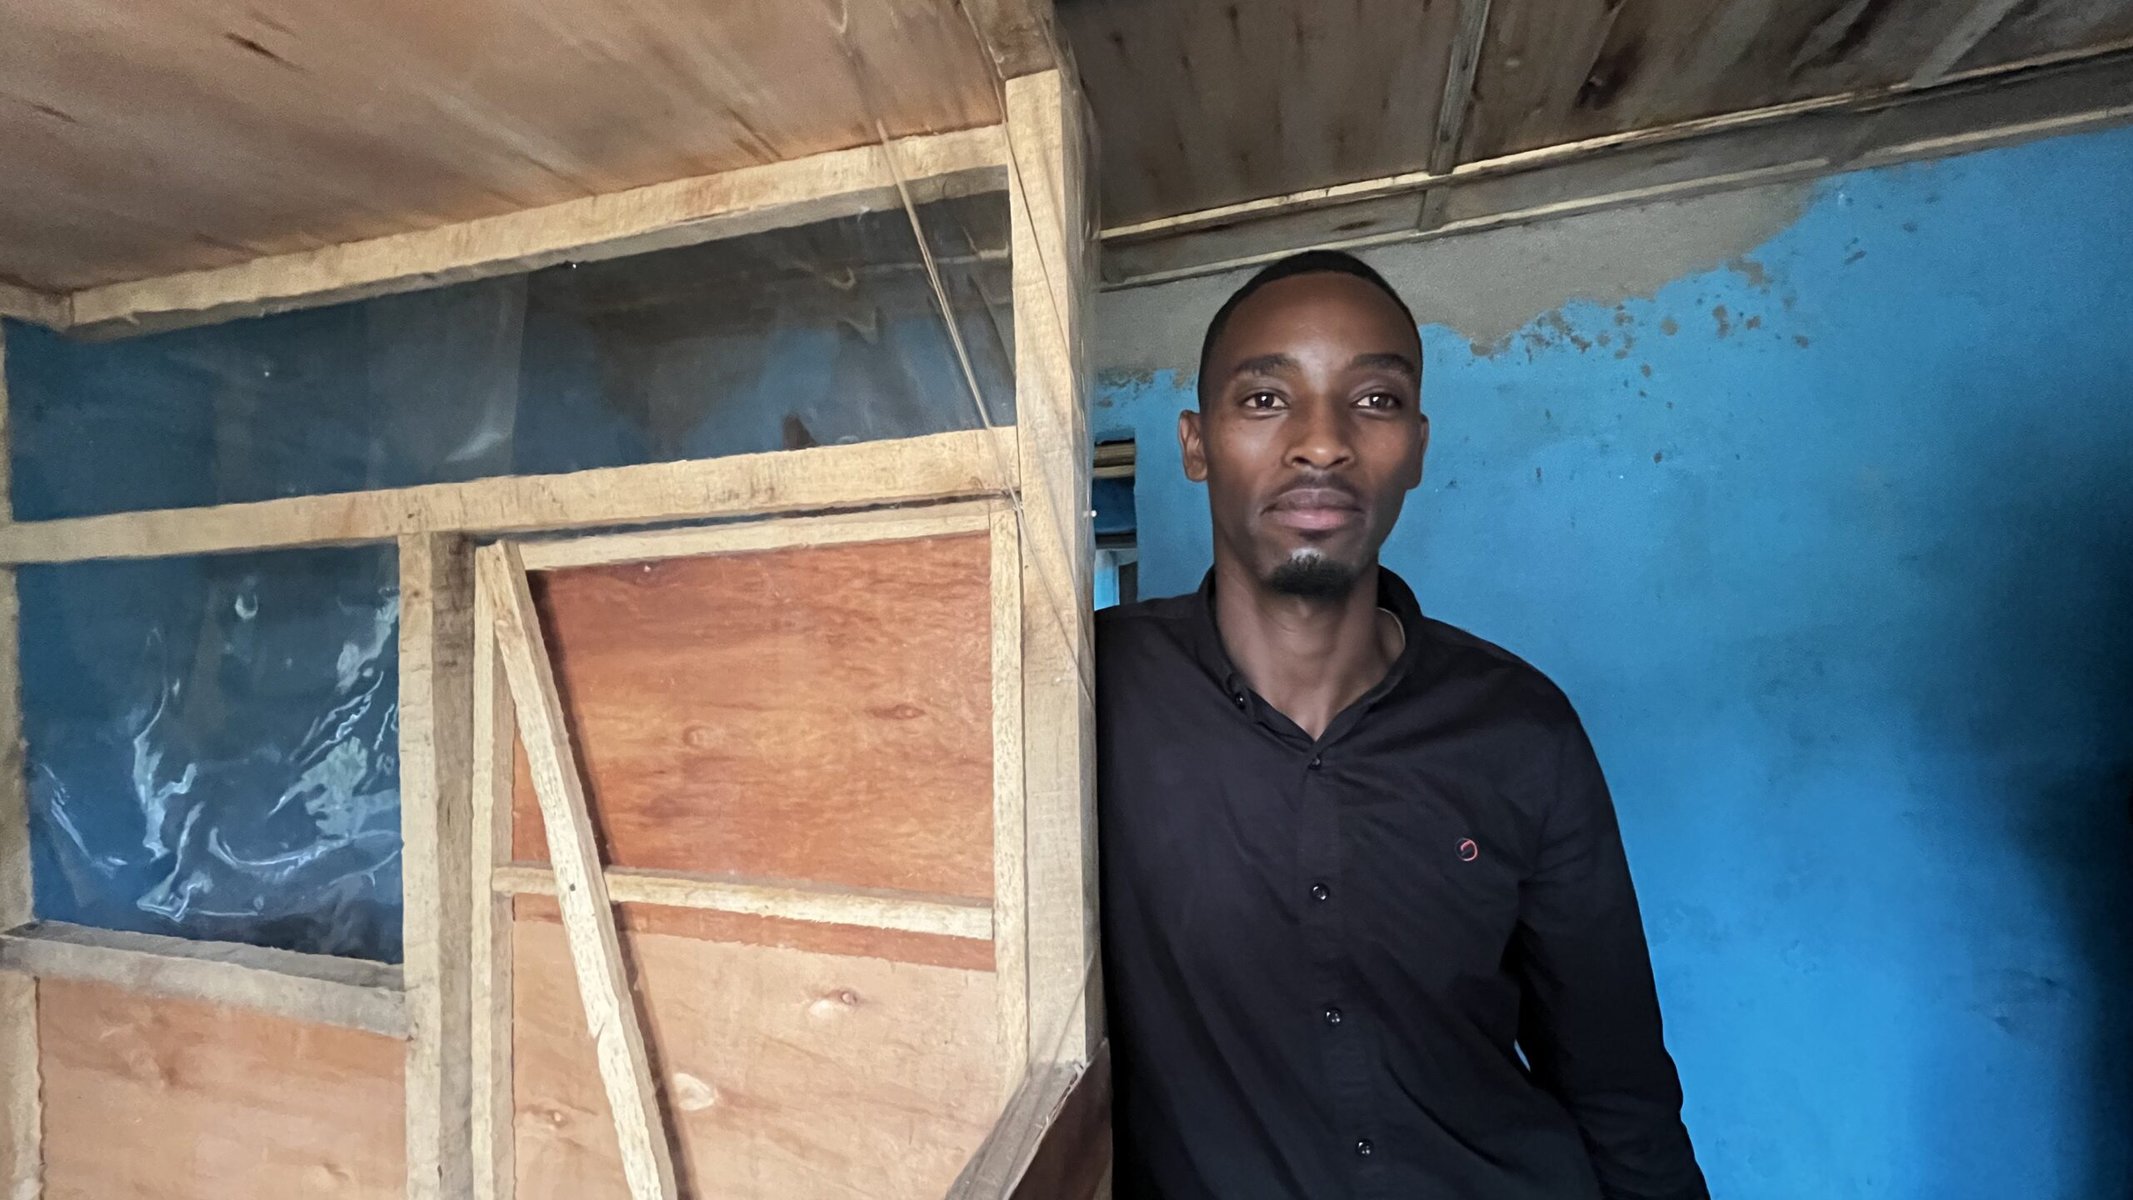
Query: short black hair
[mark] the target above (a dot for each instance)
(1310, 262)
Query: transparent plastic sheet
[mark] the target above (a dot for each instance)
(213, 747)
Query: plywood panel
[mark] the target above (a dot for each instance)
(143, 139)
(787, 1075)
(1207, 102)
(156, 1099)
(817, 714)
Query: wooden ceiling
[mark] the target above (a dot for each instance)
(142, 140)
(1248, 106)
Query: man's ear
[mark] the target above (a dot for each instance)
(1191, 448)
(1414, 478)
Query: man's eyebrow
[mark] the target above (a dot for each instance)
(1265, 364)
(1390, 362)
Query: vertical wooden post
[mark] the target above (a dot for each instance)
(436, 772)
(1010, 884)
(495, 731)
(1045, 148)
(21, 1119)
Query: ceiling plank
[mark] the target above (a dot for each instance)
(1018, 33)
(1458, 102)
(1785, 142)
(1983, 17)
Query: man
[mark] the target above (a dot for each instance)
(1369, 930)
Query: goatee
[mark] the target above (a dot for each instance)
(1309, 575)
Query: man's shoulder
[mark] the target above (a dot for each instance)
(1467, 658)
(1144, 633)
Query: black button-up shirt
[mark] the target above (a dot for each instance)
(1403, 960)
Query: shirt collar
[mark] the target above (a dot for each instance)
(1394, 596)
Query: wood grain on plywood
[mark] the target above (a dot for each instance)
(816, 714)
(159, 1099)
(153, 139)
(1205, 102)
(790, 1074)
(749, 929)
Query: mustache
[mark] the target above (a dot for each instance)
(1317, 490)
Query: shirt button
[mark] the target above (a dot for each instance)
(1333, 1015)
(1363, 1148)
(1320, 891)
(1317, 762)
(1238, 697)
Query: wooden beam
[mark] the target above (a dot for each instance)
(880, 525)
(1053, 1140)
(1458, 98)
(21, 1120)
(867, 908)
(1978, 21)
(656, 217)
(581, 887)
(494, 1137)
(307, 987)
(1047, 209)
(1019, 34)
(1010, 826)
(29, 304)
(939, 466)
(436, 771)
(1785, 142)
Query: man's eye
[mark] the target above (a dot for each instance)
(1262, 400)
(1380, 400)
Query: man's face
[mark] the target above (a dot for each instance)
(1310, 433)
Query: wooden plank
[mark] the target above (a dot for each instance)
(314, 988)
(588, 917)
(813, 937)
(659, 216)
(1792, 141)
(29, 304)
(791, 1074)
(20, 1123)
(817, 714)
(150, 1098)
(1053, 1142)
(1050, 290)
(941, 466)
(495, 735)
(436, 771)
(883, 525)
(144, 141)
(1183, 96)
(948, 916)
(1972, 28)
(1010, 835)
(1017, 33)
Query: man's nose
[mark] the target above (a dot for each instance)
(1322, 439)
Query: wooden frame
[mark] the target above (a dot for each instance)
(508, 642)
(464, 691)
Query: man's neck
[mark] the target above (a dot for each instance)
(1308, 658)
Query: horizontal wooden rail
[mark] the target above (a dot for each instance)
(941, 466)
(885, 525)
(866, 908)
(658, 216)
(305, 987)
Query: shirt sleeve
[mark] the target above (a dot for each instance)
(1589, 1023)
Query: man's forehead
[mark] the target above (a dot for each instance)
(1290, 313)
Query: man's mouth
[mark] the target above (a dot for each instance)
(1315, 509)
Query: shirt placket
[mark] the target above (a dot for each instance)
(1342, 1026)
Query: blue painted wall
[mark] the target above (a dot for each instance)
(1833, 546)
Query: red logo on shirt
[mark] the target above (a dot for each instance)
(1468, 851)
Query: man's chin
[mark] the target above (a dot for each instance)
(1312, 575)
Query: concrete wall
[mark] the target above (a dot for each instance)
(1819, 502)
